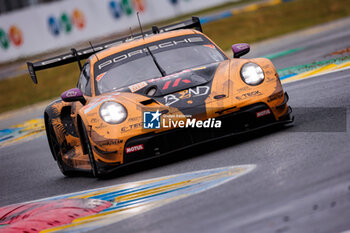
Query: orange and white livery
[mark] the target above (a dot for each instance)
(148, 95)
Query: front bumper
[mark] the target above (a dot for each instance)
(155, 144)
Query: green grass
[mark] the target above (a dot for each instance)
(219, 8)
(21, 91)
(248, 27)
(269, 22)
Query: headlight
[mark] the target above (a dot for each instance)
(252, 74)
(113, 112)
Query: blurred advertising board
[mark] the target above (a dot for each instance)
(47, 27)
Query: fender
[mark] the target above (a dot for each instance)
(58, 113)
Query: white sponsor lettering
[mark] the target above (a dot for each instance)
(166, 44)
(199, 91)
(120, 58)
(263, 113)
(152, 48)
(170, 99)
(134, 148)
(106, 63)
(193, 92)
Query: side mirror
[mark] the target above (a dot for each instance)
(73, 95)
(240, 49)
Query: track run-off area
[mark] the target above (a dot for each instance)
(289, 179)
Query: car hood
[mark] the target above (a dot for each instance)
(174, 82)
(186, 91)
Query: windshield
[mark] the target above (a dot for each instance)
(136, 65)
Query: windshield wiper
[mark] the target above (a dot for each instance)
(156, 62)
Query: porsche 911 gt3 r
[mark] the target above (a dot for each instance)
(155, 93)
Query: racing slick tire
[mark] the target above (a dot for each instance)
(56, 151)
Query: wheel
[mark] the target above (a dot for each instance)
(56, 151)
(94, 169)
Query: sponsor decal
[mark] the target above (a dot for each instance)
(66, 22)
(131, 127)
(263, 113)
(13, 36)
(132, 149)
(170, 99)
(191, 92)
(71, 93)
(108, 62)
(199, 91)
(248, 95)
(100, 76)
(175, 83)
(110, 142)
(101, 126)
(137, 86)
(209, 46)
(151, 120)
(185, 94)
(165, 45)
(126, 7)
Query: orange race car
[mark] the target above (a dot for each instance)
(154, 93)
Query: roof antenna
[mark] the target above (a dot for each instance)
(92, 47)
(138, 18)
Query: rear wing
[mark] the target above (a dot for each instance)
(77, 56)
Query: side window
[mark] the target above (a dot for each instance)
(84, 80)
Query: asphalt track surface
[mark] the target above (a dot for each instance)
(301, 182)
